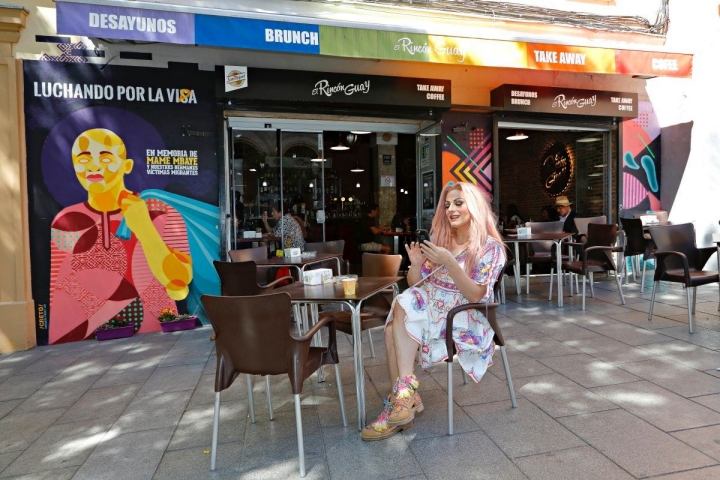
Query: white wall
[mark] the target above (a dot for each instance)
(697, 100)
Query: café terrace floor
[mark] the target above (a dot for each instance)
(602, 394)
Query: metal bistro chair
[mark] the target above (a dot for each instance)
(255, 254)
(541, 251)
(581, 223)
(595, 256)
(679, 260)
(333, 246)
(240, 278)
(376, 308)
(253, 338)
(636, 244)
(489, 310)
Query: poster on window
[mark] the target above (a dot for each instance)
(123, 193)
(428, 189)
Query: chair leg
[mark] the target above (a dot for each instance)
(372, 348)
(577, 288)
(248, 378)
(450, 397)
(502, 290)
(642, 278)
(583, 300)
(690, 312)
(464, 375)
(341, 397)
(298, 427)
(506, 366)
(619, 285)
(216, 422)
(269, 398)
(552, 270)
(592, 285)
(694, 299)
(652, 300)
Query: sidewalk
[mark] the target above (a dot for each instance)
(602, 394)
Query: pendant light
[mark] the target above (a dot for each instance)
(518, 136)
(357, 168)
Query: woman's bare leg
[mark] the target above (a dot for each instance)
(390, 349)
(405, 347)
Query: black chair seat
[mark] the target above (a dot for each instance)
(590, 266)
(697, 277)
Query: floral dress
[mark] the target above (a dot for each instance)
(426, 308)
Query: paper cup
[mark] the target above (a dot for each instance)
(349, 286)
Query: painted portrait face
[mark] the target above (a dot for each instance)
(456, 209)
(100, 160)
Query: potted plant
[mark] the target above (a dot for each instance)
(172, 322)
(118, 327)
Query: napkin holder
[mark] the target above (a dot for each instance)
(524, 231)
(317, 276)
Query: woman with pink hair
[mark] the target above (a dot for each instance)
(459, 265)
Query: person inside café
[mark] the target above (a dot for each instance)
(566, 213)
(459, 265)
(548, 214)
(368, 228)
(514, 219)
(285, 225)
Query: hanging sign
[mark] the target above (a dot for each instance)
(526, 98)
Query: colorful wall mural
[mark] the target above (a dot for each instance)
(123, 183)
(467, 149)
(641, 161)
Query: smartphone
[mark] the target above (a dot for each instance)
(422, 235)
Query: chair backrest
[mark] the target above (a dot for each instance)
(380, 265)
(635, 240)
(678, 238)
(334, 246)
(301, 223)
(601, 235)
(252, 335)
(544, 227)
(582, 223)
(237, 278)
(247, 254)
(498, 283)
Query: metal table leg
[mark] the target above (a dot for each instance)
(558, 260)
(516, 267)
(359, 367)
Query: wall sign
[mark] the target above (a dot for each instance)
(556, 169)
(337, 88)
(387, 159)
(526, 98)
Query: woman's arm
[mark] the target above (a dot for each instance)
(470, 289)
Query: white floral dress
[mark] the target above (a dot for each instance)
(426, 308)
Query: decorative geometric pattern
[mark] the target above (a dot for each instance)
(113, 259)
(475, 166)
(90, 303)
(66, 56)
(64, 240)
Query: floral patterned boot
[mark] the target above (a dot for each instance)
(407, 401)
(380, 429)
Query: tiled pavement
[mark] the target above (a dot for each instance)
(602, 394)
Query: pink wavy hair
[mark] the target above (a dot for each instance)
(482, 222)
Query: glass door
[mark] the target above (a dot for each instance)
(591, 175)
(273, 170)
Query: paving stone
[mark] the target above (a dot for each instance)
(677, 378)
(571, 464)
(588, 371)
(20, 431)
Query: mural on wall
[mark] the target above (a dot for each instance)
(123, 189)
(467, 149)
(641, 161)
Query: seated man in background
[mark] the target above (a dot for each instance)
(567, 215)
(367, 229)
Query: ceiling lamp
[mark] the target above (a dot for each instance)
(517, 136)
(253, 170)
(588, 139)
(359, 132)
(429, 134)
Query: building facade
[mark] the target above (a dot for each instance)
(195, 100)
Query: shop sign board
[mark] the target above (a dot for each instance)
(336, 88)
(123, 175)
(139, 24)
(526, 98)
(266, 35)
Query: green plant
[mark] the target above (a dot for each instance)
(167, 315)
(116, 322)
